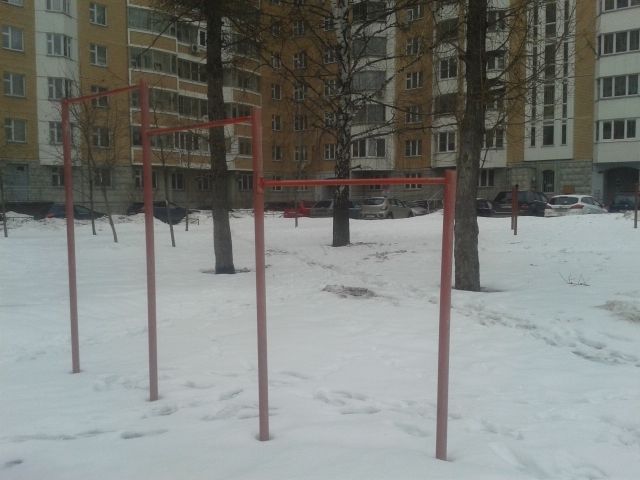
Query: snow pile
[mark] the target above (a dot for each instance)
(544, 361)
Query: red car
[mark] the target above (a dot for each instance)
(303, 210)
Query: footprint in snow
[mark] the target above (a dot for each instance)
(149, 433)
(350, 402)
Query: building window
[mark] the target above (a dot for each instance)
(329, 55)
(97, 14)
(618, 129)
(413, 114)
(448, 68)
(548, 181)
(276, 188)
(102, 177)
(57, 177)
(445, 104)
(329, 119)
(138, 178)
(276, 91)
(548, 135)
(414, 80)
(619, 86)
(329, 24)
(446, 142)
(330, 87)
(413, 148)
(177, 181)
(299, 27)
(204, 183)
(62, 6)
(98, 55)
(299, 91)
(17, 3)
(496, 20)
(299, 123)
(245, 147)
(619, 42)
(12, 38)
(100, 102)
(300, 60)
(55, 133)
(300, 153)
(413, 46)
(276, 61)
(494, 138)
(359, 148)
(415, 12)
(59, 88)
(245, 182)
(496, 60)
(329, 151)
(14, 84)
(58, 45)
(368, 147)
(100, 137)
(276, 123)
(276, 153)
(486, 177)
(413, 186)
(15, 130)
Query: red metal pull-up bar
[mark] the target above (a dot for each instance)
(449, 182)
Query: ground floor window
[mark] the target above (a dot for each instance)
(245, 182)
(177, 181)
(57, 177)
(486, 177)
(102, 177)
(548, 181)
(412, 186)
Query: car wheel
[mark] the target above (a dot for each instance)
(410, 214)
(390, 216)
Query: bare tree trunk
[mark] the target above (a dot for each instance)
(107, 207)
(341, 233)
(222, 244)
(166, 202)
(91, 199)
(467, 265)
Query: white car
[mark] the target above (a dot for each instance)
(382, 207)
(572, 205)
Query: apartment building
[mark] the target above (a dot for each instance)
(573, 128)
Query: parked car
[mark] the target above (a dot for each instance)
(383, 207)
(623, 202)
(303, 210)
(324, 208)
(80, 212)
(529, 203)
(161, 211)
(573, 205)
(484, 208)
(417, 208)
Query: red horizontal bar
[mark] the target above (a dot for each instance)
(195, 126)
(106, 93)
(353, 181)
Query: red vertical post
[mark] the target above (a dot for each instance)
(515, 206)
(147, 180)
(261, 294)
(446, 271)
(71, 242)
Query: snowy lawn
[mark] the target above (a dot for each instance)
(545, 363)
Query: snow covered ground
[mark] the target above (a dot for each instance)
(545, 361)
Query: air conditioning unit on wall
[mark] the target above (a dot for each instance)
(195, 48)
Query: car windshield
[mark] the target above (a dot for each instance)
(323, 204)
(373, 201)
(563, 200)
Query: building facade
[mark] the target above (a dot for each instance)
(572, 130)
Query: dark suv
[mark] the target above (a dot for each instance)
(529, 203)
(623, 202)
(161, 211)
(58, 210)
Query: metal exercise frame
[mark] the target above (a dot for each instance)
(449, 182)
(146, 134)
